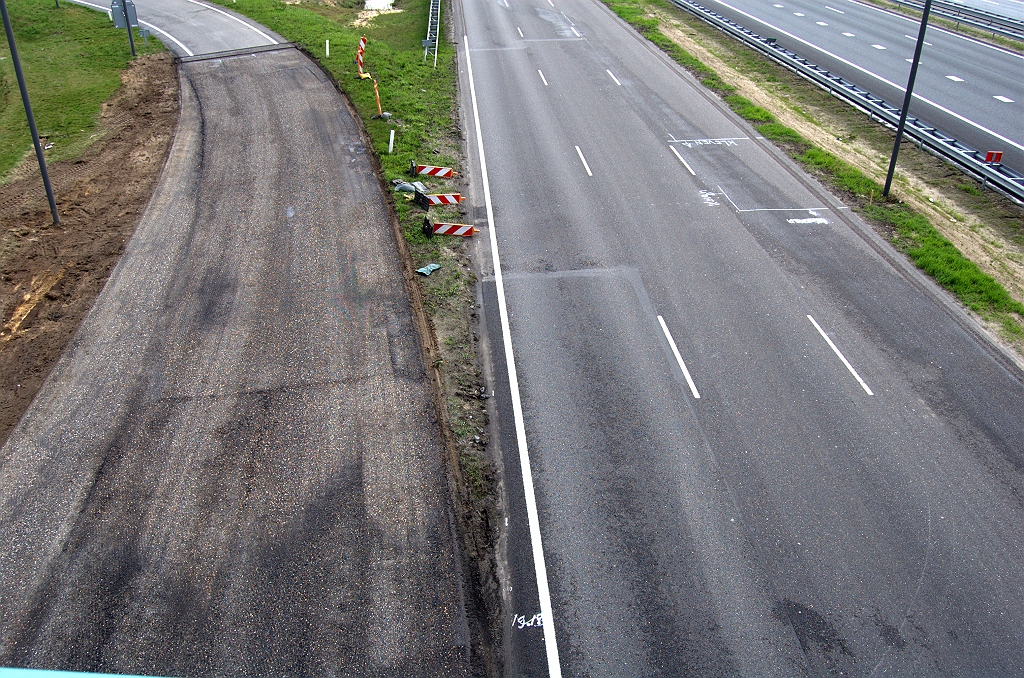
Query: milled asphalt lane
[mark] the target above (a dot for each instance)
(786, 522)
(235, 468)
(985, 71)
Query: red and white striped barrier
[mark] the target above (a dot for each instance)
(994, 156)
(430, 229)
(359, 57)
(430, 170)
(445, 198)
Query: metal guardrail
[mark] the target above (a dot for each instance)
(945, 146)
(433, 27)
(976, 18)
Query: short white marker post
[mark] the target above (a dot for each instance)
(328, 48)
(391, 142)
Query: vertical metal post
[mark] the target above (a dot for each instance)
(907, 99)
(128, 25)
(28, 111)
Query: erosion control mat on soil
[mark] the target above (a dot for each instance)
(50, 275)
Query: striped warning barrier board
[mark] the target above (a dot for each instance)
(431, 170)
(445, 198)
(430, 229)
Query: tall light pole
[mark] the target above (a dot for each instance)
(908, 97)
(28, 111)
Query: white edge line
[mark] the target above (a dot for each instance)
(550, 644)
(685, 164)
(840, 354)
(542, 77)
(679, 358)
(234, 18)
(585, 165)
(728, 198)
(873, 75)
(143, 23)
(613, 77)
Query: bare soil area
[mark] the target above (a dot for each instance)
(50, 275)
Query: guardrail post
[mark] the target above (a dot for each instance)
(907, 99)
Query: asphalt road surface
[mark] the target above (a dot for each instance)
(755, 441)
(966, 88)
(235, 469)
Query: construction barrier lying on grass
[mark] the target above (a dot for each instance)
(430, 229)
(431, 170)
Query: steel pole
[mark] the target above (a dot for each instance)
(907, 98)
(28, 111)
(128, 24)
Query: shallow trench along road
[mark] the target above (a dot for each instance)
(738, 434)
(235, 468)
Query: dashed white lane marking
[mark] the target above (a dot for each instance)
(685, 164)
(821, 23)
(550, 643)
(234, 18)
(835, 10)
(878, 46)
(850, 35)
(520, 31)
(543, 78)
(954, 78)
(575, 32)
(1005, 100)
(161, 31)
(613, 77)
(585, 165)
(777, 5)
(551, 3)
(915, 39)
(679, 358)
(798, 14)
(841, 356)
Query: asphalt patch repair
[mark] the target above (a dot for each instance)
(50, 275)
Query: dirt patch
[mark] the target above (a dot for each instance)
(50, 275)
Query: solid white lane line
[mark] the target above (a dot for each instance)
(679, 358)
(876, 76)
(543, 78)
(585, 165)
(835, 10)
(685, 164)
(234, 18)
(550, 644)
(841, 356)
(161, 31)
(613, 77)
(577, 33)
(520, 31)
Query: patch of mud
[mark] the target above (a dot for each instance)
(50, 275)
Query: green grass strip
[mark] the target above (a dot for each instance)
(72, 58)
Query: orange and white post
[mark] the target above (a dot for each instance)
(376, 93)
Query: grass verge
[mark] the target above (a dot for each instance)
(423, 102)
(910, 231)
(72, 58)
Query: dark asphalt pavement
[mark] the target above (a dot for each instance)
(792, 520)
(958, 81)
(235, 468)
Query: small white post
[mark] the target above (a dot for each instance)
(328, 48)
(391, 143)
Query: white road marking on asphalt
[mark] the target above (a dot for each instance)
(506, 4)
(841, 356)
(878, 77)
(685, 164)
(679, 358)
(520, 31)
(577, 33)
(821, 23)
(161, 31)
(809, 220)
(798, 14)
(777, 5)
(551, 3)
(550, 644)
(878, 46)
(543, 78)
(233, 18)
(850, 35)
(835, 10)
(954, 78)
(1005, 100)
(585, 165)
(613, 77)
(915, 39)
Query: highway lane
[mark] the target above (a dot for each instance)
(964, 87)
(791, 519)
(235, 468)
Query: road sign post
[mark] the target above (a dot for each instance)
(28, 111)
(124, 15)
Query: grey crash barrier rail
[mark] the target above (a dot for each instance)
(975, 18)
(972, 162)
